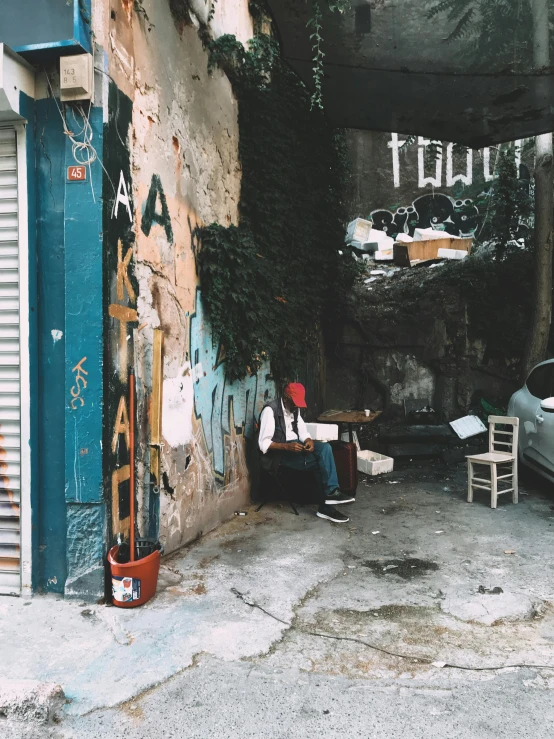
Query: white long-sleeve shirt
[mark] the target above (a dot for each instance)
(267, 428)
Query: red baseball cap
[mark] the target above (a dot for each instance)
(297, 393)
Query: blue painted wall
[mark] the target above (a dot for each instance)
(27, 110)
(69, 358)
(56, 25)
(83, 327)
(50, 197)
(83, 371)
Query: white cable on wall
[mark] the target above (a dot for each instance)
(82, 148)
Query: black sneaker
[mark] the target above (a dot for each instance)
(325, 511)
(338, 498)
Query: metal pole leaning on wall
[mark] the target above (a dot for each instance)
(132, 461)
(156, 418)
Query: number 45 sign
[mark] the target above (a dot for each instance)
(76, 173)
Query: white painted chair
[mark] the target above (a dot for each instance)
(501, 459)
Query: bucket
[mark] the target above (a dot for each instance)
(133, 583)
(143, 547)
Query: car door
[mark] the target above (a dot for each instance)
(523, 404)
(537, 421)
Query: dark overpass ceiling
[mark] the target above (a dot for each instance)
(389, 66)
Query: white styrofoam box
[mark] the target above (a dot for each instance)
(404, 239)
(323, 431)
(380, 237)
(429, 234)
(372, 463)
(358, 230)
(384, 256)
(452, 254)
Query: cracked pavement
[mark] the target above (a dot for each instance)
(267, 625)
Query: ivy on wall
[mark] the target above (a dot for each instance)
(269, 282)
(315, 25)
(510, 207)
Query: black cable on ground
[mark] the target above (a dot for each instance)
(419, 660)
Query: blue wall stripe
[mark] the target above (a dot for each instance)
(50, 196)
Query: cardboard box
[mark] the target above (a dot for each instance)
(423, 251)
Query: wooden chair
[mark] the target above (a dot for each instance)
(501, 459)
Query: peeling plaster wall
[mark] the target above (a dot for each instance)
(182, 144)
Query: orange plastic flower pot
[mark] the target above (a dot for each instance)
(133, 583)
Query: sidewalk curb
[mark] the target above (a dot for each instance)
(30, 700)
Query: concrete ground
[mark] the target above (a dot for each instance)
(395, 624)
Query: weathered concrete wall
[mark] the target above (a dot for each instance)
(400, 188)
(420, 335)
(173, 142)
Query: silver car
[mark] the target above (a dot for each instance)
(534, 406)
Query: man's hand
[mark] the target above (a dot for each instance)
(309, 445)
(294, 446)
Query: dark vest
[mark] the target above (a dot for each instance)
(272, 460)
(280, 435)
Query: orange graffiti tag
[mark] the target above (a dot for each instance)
(75, 391)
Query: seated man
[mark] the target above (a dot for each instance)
(284, 440)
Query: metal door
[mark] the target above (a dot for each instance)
(10, 400)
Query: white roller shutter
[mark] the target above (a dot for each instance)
(10, 401)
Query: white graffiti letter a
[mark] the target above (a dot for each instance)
(122, 197)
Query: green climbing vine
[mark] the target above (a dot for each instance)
(315, 24)
(509, 208)
(139, 9)
(270, 282)
(318, 55)
(212, 11)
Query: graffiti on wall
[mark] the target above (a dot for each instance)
(151, 213)
(226, 410)
(446, 169)
(202, 414)
(124, 313)
(121, 315)
(80, 374)
(436, 210)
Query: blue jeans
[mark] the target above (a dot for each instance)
(321, 460)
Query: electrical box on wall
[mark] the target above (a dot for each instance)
(76, 78)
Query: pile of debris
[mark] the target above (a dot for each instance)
(427, 246)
